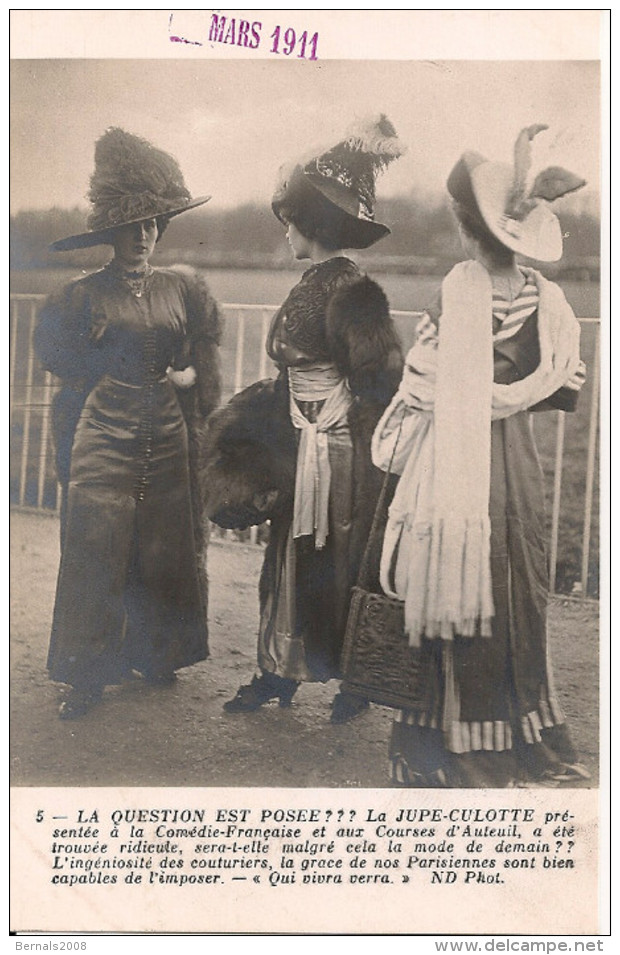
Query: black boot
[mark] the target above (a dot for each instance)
(261, 690)
(78, 701)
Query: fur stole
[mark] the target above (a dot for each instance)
(251, 448)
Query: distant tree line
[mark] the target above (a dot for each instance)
(424, 238)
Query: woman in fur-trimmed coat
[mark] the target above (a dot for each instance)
(136, 349)
(132, 587)
(339, 358)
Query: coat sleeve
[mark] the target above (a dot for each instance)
(566, 397)
(205, 325)
(62, 342)
(62, 338)
(364, 341)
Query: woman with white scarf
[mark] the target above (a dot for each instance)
(464, 546)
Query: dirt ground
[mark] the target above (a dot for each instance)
(180, 736)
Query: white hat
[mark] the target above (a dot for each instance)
(517, 215)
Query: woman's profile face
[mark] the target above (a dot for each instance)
(298, 242)
(134, 243)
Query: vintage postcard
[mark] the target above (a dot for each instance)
(308, 315)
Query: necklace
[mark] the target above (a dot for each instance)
(135, 281)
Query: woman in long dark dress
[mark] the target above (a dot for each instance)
(339, 358)
(465, 543)
(138, 347)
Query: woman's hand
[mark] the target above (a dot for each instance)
(182, 379)
(576, 381)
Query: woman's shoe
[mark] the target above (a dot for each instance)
(568, 773)
(78, 702)
(346, 707)
(261, 690)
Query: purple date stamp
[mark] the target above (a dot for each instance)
(235, 31)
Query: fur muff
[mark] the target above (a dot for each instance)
(251, 453)
(364, 341)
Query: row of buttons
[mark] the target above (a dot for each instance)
(145, 427)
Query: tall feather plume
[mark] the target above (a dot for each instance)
(554, 182)
(518, 205)
(355, 162)
(125, 163)
(132, 179)
(376, 137)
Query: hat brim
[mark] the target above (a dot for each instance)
(85, 240)
(348, 231)
(537, 236)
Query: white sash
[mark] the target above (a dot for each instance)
(313, 475)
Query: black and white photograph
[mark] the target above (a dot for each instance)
(305, 377)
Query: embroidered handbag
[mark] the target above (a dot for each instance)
(377, 662)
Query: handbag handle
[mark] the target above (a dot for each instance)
(363, 577)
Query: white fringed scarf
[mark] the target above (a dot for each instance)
(320, 382)
(443, 494)
(459, 567)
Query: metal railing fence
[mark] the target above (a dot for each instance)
(32, 474)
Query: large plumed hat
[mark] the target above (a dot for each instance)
(133, 180)
(338, 184)
(516, 212)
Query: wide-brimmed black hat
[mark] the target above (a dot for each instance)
(515, 212)
(338, 184)
(132, 181)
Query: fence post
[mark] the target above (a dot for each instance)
(13, 358)
(557, 492)
(262, 362)
(45, 420)
(587, 516)
(262, 371)
(27, 405)
(238, 385)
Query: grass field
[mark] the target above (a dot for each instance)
(405, 292)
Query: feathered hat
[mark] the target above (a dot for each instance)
(516, 213)
(133, 180)
(339, 183)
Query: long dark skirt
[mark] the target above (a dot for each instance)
(491, 716)
(129, 593)
(305, 592)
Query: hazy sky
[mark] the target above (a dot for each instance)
(232, 123)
